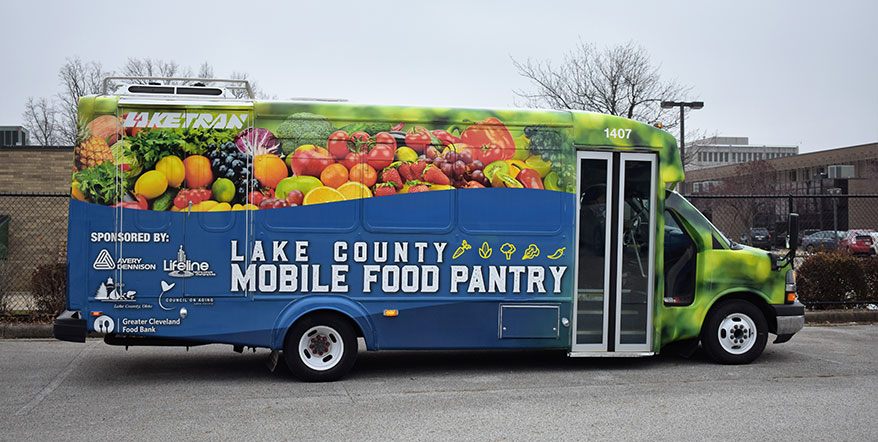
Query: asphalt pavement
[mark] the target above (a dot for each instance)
(819, 386)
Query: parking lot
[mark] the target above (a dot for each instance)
(818, 386)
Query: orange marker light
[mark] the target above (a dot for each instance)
(791, 297)
(95, 313)
(391, 313)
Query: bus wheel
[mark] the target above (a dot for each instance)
(735, 332)
(320, 348)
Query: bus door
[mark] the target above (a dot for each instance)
(181, 257)
(616, 242)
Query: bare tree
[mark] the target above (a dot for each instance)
(78, 79)
(148, 67)
(617, 80)
(40, 120)
(254, 86)
(751, 178)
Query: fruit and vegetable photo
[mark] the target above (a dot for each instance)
(306, 158)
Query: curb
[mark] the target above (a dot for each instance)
(823, 317)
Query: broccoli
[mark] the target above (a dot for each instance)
(304, 128)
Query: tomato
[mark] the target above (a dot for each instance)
(530, 178)
(256, 197)
(385, 138)
(380, 156)
(418, 139)
(352, 159)
(338, 144)
(360, 140)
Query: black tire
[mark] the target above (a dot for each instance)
(737, 342)
(329, 347)
(810, 249)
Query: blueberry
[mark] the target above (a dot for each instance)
(222, 169)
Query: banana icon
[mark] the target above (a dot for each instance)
(464, 246)
(558, 253)
(531, 252)
(486, 250)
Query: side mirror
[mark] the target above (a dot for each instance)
(793, 229)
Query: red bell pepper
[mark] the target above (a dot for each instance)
(141, 203)
(488, 140)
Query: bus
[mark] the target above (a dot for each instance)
(200, 214)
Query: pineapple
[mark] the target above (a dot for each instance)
(91, 151)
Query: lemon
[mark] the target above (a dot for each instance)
(521, 147)
(405, 153)
(151, 184)
(323, 194)
(353, 190)
(537, 163)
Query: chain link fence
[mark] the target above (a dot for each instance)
(33, 254)
(836, 256)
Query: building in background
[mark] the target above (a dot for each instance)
(826, 184)
(723, 151)
(13, 136)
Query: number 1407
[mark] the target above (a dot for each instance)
(618, 133)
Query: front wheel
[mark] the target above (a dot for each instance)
(735, 332)
(320, 348)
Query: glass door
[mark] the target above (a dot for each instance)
(615, 237)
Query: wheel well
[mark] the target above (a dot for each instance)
(335, 313)
(754, 299)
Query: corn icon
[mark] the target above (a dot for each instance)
(531, 252)
(485, 250)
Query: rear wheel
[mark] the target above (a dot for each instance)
(321, 347)
(735, 332)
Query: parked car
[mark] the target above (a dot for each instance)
(857, 242)
(759, 237)
(805, 233)
(874, 243)
(824, 240)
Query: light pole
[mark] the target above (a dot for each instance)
(682, 105)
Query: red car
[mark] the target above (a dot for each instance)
(857, 242)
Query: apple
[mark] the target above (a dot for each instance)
(303, 184)
(310, 160)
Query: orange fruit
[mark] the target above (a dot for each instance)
(334, 175)
(322, 194)
(354, 189)
(269, 169)
(198, 173)
(364, 173)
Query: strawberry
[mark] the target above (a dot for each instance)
(418, 168)
(391, 176)
(382, 189)
(405, 171)
(419, 187)
(433, 174)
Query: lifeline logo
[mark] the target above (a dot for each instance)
(105, 262)
(180, 120)
(184, 268)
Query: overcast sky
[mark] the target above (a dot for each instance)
(780, 72)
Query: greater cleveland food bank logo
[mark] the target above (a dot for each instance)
(183, 267)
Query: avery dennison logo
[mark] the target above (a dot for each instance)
(105, 261)
(185, 120)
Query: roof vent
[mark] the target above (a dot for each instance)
(182, 86)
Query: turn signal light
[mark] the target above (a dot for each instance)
(391, 313)
(95, 314)
(791, 297)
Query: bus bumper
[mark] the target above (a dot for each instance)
(69, 326)
(790, 319)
